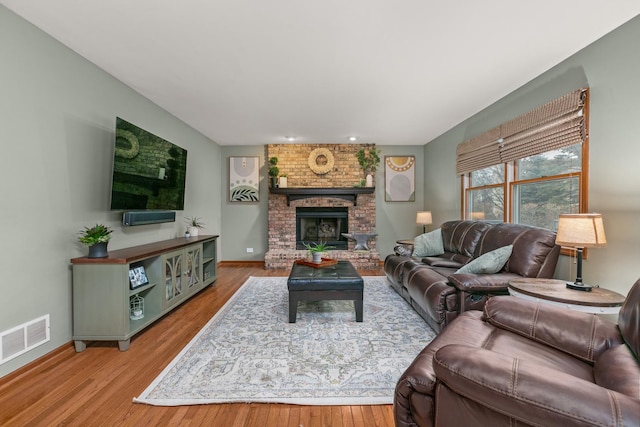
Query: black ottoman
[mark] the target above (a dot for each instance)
(336, 282)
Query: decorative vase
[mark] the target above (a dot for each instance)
(274, 182)
(369, 181)
(99, 250)
(283, 182)
(193, 231)
(316, 257)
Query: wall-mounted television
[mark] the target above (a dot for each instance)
(149, 173)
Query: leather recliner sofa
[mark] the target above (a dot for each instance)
(526, 363)
(438, 294)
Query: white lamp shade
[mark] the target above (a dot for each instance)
(581, 230)
(424, 218)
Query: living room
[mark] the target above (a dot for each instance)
(59, 114)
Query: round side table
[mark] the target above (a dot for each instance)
(598, 301)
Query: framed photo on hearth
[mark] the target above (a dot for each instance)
(244, 179)
(400, 178)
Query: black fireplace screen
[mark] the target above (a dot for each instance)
(322, 224)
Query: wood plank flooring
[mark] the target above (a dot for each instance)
(96, 387)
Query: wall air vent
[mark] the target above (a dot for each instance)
(22, 338)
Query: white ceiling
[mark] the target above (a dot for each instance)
(391, 72)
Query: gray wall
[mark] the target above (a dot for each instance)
(397, 220)
(610, 67)
(245, 224)
(58, 121)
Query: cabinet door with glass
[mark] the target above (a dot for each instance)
(193, 271)
(173, 277)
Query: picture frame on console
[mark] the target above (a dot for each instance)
(137, 277)
(244, 179)
(399, 178)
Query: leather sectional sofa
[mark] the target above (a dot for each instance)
(434, 289)
(524, 363)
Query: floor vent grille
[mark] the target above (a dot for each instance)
(22, 338)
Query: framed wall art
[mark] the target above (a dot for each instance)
(400, 178)
(244, 179)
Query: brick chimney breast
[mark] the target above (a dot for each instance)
(293, 160)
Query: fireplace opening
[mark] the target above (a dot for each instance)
(322, 224)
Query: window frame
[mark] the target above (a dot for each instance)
(510, 181)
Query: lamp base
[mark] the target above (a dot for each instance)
(579, 286)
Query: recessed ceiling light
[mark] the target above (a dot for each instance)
(353, 138)
(290, 138)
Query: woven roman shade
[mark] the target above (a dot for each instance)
(551, 126)
(478, 152)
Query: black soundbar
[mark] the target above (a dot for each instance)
(147, 217)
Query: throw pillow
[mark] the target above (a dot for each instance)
(428, 244)
(488, 263)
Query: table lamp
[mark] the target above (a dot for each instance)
(580, 231)
(424, 218)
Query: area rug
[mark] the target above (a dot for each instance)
(249, 352)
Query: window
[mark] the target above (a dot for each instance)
(544, 165)
(547, 185)
(539, 189)
(485, 196)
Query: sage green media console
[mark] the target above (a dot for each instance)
(113, 298)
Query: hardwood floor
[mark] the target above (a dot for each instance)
(96, 387)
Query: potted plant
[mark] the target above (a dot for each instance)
(273, 171)
(96, 238)
(369, 161)
(316, 250)
(193, 225)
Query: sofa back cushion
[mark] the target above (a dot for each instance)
(534, 254)
(461, 238)
(629, 319)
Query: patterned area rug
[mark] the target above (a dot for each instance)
(249, 352)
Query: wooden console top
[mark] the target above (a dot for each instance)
(128, 255)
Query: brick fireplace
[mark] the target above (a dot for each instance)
(334, 189)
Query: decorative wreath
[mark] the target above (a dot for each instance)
(131, 152)
(313, 161)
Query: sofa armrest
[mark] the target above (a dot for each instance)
(533, 394)
(482, 283)
(582, 335)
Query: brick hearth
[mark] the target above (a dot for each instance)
(282, 250)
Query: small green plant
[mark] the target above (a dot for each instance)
(194, 222)
(273, 169)
(94, 235)
(317, 247)
(284, 175)
(370, 160)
